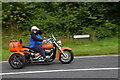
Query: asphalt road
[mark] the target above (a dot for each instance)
(81, 67)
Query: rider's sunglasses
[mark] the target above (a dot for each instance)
(34, 29)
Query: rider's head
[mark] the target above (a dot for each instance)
(34, 29)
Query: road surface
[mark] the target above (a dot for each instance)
(82, 67)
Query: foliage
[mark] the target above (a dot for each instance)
(63, 19)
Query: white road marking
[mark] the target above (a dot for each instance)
(62, 70)
(86, 57)
(97, 56)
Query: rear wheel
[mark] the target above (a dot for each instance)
(69, 57)
(17, 61)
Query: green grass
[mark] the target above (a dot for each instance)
(87, 47)
(80, 47)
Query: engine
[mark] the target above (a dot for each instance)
(48, 51)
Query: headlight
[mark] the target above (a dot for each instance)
(59, 43)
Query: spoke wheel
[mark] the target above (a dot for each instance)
(17, 61)
(69, 57)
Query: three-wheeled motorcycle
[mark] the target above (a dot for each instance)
(24, 55)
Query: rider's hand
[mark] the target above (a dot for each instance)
(44, 40)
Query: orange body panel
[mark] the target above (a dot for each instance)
(16, 52)
(47, 46)
(25, 50)
(37, 54)
(15, 46)
(63, 48)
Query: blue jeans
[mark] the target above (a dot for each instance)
(39, 49)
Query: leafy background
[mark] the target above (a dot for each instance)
(62, 19)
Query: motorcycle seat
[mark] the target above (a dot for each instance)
(26, 47)
(31, 50)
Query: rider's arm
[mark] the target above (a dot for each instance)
(33, 36)
(39, 32)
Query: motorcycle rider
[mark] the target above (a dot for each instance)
(35, 42)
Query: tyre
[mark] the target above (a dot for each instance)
(68, 59)
(17, 61)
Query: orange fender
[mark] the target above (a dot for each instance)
(63, 48)
(25, 50)
(16, 52)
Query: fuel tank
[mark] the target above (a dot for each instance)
(47, 46)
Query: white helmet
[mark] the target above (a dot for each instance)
(34, 27)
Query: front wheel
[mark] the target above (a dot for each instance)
(17, 61)
(69, 57)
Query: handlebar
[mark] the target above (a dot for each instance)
(50, 38)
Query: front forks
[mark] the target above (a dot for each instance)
(60, 49)
(62, 52)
